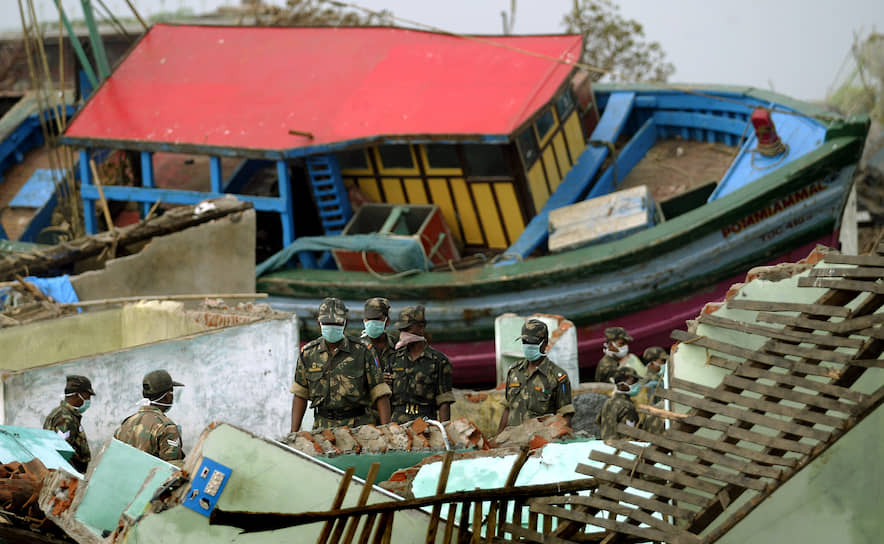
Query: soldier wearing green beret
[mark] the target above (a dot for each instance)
(65, 419)
(338, 375)
(619, 408)
(420, 376)
(616, 348)
(535, 386)
(150, 429)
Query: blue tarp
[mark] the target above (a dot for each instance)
(401, 253)
(59, 288)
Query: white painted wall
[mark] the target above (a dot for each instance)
(240, 375)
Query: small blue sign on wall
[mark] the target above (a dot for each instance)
(207, 485)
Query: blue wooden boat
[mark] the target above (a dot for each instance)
(497, 140)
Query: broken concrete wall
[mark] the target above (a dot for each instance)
(237, 374)
(45, 342)
(215, 257)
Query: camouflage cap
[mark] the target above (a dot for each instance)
(616, 333)
(534, 331)
(411, 315)
(625, 372)
(156, 382)
(333, 312)
(377, 308)
(654, 353)
(78, 384)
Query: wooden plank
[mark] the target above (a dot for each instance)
(770, 306)
(751, 355)
(336, 503)
(858, 272)
(790, 379)
(800, 322)
(656, 472)
(814, 354)
(732, 449)
(353, 522)
(741, 414)
(674, 536)
(521, 532)
(868, 363)
(790, 394)
(782, 334)
(858, 260)
(640, 516)
(758, 404)
(441, 483)
(679, 464)
(642, 502)
(750, 436)
(842, 285)
(701, 453)
(624, 479)
(874, 332)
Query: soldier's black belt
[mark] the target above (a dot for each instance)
(340, 414)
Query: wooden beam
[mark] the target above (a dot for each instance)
(815, 354)
(732, 449)
(843, 272)
(686, 448)
(780, 333)
(642, 502)
(842, 285)
(858, 260)
(690, 467)
(790, 394)
(624, 479)
(790, 379)
(741, 414)
(640, 466)
(751, 355)
(771, 306)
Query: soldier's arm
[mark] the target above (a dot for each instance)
(505, 416)
(379, 392)
(62, 425)
(301, 393)
(169, 443)
(563, 404)
(444, 389)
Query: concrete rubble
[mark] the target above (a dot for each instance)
(417, 435)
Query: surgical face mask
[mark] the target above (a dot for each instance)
(85, 406)
(634, 389)
(618, 352)
(164, 406)
(332, 333)
(531, 351)
(375, 328)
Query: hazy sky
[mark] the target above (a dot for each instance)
(795, 47)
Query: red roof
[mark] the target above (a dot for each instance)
(245, 87)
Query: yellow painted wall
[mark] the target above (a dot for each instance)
(574, 135)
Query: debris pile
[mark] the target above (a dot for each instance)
(418, 435)
(535, 432)
(23, 303)
(20, 485)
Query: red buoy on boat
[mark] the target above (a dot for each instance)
(769, 143)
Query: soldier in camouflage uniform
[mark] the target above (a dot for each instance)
(655, 359)
(419, 375)
(338, 375)
(376, 318)
(150, 429)
(64, 419)
(619, 408)
(535, 386)
(616, 348)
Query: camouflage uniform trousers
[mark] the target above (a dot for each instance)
(64, 419)
(340, 386)
(546, 391)
(151, 431)
(420, 386)
(618, 409)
